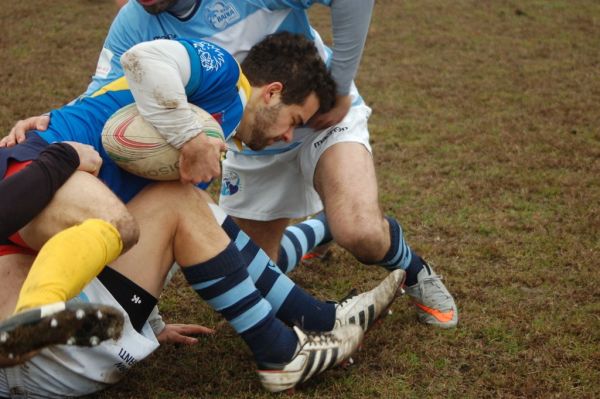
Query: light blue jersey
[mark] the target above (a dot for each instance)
(235, 25)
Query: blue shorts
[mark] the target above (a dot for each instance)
(124, 184)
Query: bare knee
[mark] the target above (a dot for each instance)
(127, 227)
(366, 239)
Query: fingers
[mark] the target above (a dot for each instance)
(199, 159)
(42, 122)
(17, 133)
(334, 116)
(89, 159)
(193, 329)
(180, 333)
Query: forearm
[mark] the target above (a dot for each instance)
(157, 73)
(27, 192)
(350, 25)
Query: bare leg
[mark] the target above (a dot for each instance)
(176, 224)
(13, 270)
(266, 235)
(84, 227)
(353, 212)
(82, 197)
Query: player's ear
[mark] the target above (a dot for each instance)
(272, 92)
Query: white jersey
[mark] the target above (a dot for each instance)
(66, 371)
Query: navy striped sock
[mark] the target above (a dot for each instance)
(300, 238)
(290, 303)
(400, 256)
(225, 285)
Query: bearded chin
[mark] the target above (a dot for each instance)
(263, 121)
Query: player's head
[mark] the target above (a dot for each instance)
(156, 6)
(290, 85)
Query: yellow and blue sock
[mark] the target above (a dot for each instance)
(68, 262)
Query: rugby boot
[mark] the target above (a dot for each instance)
(71, 323)
(316, 353)
(320, 253)
(434, 303)
(366, 308)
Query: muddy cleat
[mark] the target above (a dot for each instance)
(434, 303)
(71, 323)
(318, 253)
(366, 308)
(317, 352)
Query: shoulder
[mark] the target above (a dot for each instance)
(210, 56)
(130, 21)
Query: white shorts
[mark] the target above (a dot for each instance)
(268, 187)
(67, 371)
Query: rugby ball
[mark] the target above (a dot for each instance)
(137, 147)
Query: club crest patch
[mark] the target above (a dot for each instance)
(211, 56)
(230, 183)
(221, 14)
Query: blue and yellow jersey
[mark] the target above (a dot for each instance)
(216, 85)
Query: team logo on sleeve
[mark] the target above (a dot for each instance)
(211, 56)
(221, 14)
(230, 183)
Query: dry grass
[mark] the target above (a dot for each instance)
(487, 141)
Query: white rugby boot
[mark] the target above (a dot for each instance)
(316, 353)
(366, 308)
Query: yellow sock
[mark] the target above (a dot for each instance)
(68, 262)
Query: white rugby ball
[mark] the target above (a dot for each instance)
(136, 146)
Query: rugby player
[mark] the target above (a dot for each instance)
(328, 166)
(216, 275)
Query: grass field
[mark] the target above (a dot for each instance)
(486, 136)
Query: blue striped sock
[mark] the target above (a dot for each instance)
(290, 303)
(300, 238)
(400, 256)
(225, 285)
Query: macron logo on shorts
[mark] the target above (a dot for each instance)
(136, 299)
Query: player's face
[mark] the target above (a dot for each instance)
(156, 6)
(277, 122)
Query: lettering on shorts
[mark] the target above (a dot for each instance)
(128, 361)
(330, 132)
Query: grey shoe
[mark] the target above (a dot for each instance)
(434, 303)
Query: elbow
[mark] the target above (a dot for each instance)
(132, 67)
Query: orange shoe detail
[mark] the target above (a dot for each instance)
(443, 317)
(311, 255)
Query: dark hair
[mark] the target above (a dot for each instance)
(294, 61)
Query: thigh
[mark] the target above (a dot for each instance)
(176, 223)
(346, 181)
(82, 197)
(13, 270)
